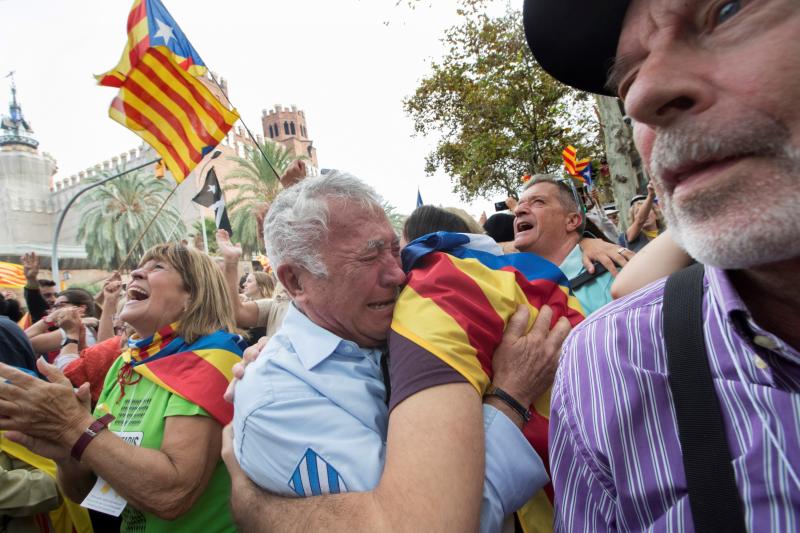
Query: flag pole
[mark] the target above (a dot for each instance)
(203, 230)
(214, 79)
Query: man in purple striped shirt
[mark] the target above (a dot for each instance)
(712, 88)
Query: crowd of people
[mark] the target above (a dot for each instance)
(540, 369)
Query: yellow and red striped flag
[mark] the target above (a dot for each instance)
(460, 293)
(12, 276)
(160, 99)
(572, 165)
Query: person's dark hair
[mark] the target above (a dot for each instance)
(500, 227)
(429, 219)
(46, 282)
(77, 296)
(10, 308)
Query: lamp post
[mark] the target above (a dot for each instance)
(54, 257)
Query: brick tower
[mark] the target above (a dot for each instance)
(287, 126)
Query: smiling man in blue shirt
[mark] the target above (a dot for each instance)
(311, 415)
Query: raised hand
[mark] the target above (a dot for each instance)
(230, 252)
(294, 173)
(30, 266)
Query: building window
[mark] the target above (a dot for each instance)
(270, 132)
(277, 130)
(292, 128)
(303, 131)
(286, 127)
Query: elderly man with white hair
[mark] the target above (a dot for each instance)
(311, 414)
(678, 407)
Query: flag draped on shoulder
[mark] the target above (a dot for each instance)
(198, 373)
(160, 98)
(211, 196)
(12, 276)
(460, 294)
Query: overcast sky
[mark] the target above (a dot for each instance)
(347, 63)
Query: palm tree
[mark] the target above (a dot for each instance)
(257, 184)
(115, 214)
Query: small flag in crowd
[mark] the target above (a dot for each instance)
(526, 178)
(12, 276)
(586, 175)
(160, 99)
(419, 199)
(572, 165)
(211, 196)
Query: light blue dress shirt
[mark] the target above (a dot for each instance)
(594, 294)
(310, 418)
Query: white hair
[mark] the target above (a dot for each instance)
(297, 222)
(752, 219)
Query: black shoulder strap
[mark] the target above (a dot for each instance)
(586, 277)
(713, 497)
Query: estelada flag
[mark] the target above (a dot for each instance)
(198, 373)
(460, 294)
(160, 99)
(571, 164)
(211, 196)
(12, 276)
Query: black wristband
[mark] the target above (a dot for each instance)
(509, 400)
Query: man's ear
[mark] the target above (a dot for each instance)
(573, 222)
(289, 276)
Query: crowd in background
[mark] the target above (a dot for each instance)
(461, 375)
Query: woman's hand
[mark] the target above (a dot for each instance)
(48, 416)
(112, 290)
(605, 253)
(231, 252)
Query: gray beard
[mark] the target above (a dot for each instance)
(753, 219)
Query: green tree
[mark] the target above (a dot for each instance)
(256, 183)
(116, 213)
(498, 115)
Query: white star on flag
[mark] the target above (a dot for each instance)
(164, 31)
(212, 189)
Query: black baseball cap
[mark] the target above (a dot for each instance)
(575, 41)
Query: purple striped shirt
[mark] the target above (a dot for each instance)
(614, 448)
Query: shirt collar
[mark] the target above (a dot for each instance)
(313, 343)
(737, 314)
(572, 265)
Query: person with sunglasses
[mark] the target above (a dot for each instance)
(550, 220)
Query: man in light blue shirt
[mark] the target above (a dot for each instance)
(311, 414)
(549, 223)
